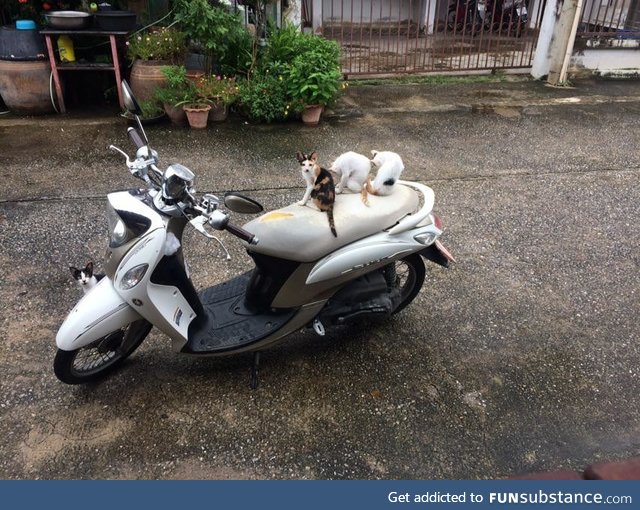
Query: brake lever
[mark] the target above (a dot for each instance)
(198, 223)
(130, 164)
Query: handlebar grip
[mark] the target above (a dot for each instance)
(241, 233)
(135, 137)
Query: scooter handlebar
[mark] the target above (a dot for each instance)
(135, 137)
(241, 233)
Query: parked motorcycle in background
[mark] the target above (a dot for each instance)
(473, 17)
(304, 277)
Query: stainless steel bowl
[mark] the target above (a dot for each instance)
(69, 20)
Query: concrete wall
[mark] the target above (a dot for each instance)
(607, 62)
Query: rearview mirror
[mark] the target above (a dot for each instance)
(130, 102)
(239, 203)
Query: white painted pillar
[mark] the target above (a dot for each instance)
(562, 43)
(316, 9)
(429, 16)
(542, 56)
(293, 14)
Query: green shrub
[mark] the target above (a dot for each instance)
(265, 98)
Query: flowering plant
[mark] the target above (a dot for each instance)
(217, 88)
(162, 44)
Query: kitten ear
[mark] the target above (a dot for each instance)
(300, 157)
(75, 272)
(89, 269)
(313, 156)
(374, 153)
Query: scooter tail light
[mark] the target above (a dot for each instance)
(437, 221)
(133, 277)
(426, 238)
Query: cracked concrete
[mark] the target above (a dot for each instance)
(522, 357)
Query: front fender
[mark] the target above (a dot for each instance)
(100, 312)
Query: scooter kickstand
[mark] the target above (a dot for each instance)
(253, 377)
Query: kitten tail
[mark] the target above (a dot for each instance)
(368, 188)
(332, 225)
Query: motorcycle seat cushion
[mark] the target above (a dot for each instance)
(302, 233)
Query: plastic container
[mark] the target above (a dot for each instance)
(65, 49)
(21, 44)
(25, 24)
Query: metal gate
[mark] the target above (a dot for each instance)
(420, 36)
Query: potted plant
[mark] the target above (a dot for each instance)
(216, 33)
(177, 90)
(150, 52)
(314, 78)
(220, 92)
(196, 106)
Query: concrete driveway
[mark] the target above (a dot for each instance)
(522, 357)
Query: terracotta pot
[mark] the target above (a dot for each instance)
(24, 87)
(311, 114)
(195, 74)
(146, 77)
(176, 114)
(197, 115)
(219, 112)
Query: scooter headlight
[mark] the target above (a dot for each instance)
(133, 277)
(118, 232)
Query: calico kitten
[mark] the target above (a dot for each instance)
(320, 187)
(390, 166)
(85, 277)
(353, 170)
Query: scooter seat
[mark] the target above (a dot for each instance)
(302, 233)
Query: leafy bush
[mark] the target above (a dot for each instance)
(216, 31)
(314, 77)
(265, 97)
(178, 88)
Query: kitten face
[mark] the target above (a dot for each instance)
(308, 164)
(82, 276)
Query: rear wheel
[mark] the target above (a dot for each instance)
(407, 276)
(94, 361)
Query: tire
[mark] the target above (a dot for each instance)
(407, 275)
(99, 358)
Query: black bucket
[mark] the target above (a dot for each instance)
(21, 44)
(116, 21)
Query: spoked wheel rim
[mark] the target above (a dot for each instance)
(94, 361)
(407, 276)
(93, 358)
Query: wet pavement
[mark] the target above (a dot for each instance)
(522, 357)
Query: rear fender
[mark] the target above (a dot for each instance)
(100, 312)
(437, 253)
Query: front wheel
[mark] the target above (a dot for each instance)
(407, 276)
(94, 361)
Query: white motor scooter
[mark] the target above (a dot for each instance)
(303, 275)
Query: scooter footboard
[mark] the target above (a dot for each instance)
(100, 312)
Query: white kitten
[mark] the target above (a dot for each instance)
(353, 170)
(390, 166)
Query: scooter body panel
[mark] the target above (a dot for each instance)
(100, 312)
(321, 280)
(164, 306)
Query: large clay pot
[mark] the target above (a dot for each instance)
(146, 77)
(24, 86)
